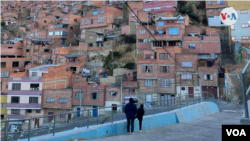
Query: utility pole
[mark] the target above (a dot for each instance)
(200, 81)
(244, 90)
(121, 94)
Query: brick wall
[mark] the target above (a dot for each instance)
(57, 94)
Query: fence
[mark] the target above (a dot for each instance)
(86, 118)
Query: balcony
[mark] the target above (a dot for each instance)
(25, 92)
(12, 116)
(23, 106)
(26, 79)
(146, 61)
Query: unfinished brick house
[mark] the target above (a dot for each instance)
(155, 66)
(201, 48)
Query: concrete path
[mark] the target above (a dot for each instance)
(204, 129)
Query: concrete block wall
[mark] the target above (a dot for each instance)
(186, 114)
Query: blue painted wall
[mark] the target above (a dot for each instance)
(238, 32)
(152, 121)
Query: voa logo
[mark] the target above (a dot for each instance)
(236, 132)
(228, 16)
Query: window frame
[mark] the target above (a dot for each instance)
(164, 69)
(16, 86)
(33, 101)
(164, 56)
(187, 76)
(11, 100)
(187, 66)
(78, 96)
(97, 96)
(148, 82)
(63, 100)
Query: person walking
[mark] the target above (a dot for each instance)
(140, 115)
(130, 111)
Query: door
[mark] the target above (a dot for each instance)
(191, 91)
(36, 123)
(95, 111)
(69, 117)
(148, 100)
(50, 118)
(163, 100)
(78, 111)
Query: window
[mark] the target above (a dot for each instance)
(57, 32)
(211, 10)
(164, 56)
(29, 111)
(63, 100)
(38, 111)
(243, 11)
(152, 32)
(142, 31)
(147, 69)
(183, 88)
(165, 82)
(87, 21)
(15, 99)
(191, 46)
(132, 15)
(51, 26)
(79, 95)
(16, 86)
(233, 38)
(33, 100)
(2, 117)
(220, 9)
(148, 82)
(112, 93)
(61, 60)
(3, 64)
(210, 2)
(65, 19)
(34, 74)
(245, 38)
(165, 69)
(245, 25)
(2, 105)
(100, 20)
(186, 64)
(208, 77)
(101, 11)
(15, 111)
(220, 1)
(50, 33)
(82, 22)
(160, 23)
(149, 56)
(27, 50)
(45, 21)
(50, 100)
(173, 31)
(69, 28)
(186, 76)
(34, 86)
(62, 116)
(83, 31)
(94, 96)
(92, 21)
(15, 64)
(94, 12)
(75, 20)
(46, 50)
(232, 27)
(4, 74)
(131, 91)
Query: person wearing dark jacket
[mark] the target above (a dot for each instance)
(130, 111)
(140, 114)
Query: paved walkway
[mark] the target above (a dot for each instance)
(204, 129)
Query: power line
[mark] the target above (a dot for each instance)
(138, 19)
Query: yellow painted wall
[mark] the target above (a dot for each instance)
(3, 109)
(239, 5)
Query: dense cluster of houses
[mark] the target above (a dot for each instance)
(57, 65)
